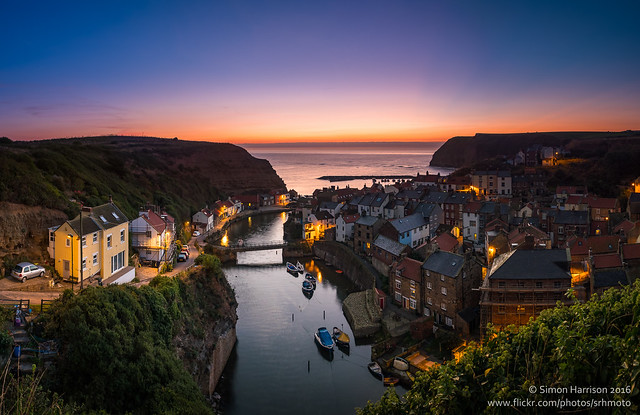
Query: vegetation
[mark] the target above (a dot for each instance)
(116, 350)
(596, 344)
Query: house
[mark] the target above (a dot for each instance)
(456, 183)
(317, 224)
(378, 204)
(432, 214)
(563, 192)
(411, 230)
(395, 209)
(427, 180)
(600, 208)
(94, 244)
(522, 283)
(152, 237)
(633, 207)
(569, 223)
(492, 184)
(446, 242)
(267, 199)
(331, 207)
(344, 227)
(407, 284)
(453, 208)
(249, 201)
(386, 251)
(603, 279)
(365, 231)
(631, 258)
(281, 197)
(203, 221)
(527, 236)
(471, 224)
(447, 287)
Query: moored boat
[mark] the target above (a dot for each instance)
(375, 369)
(323, 338)
(307, 286)
(390, 381)
(400, 364)
(292, 268)
(341, 338)
(309, 277)
(300, 267)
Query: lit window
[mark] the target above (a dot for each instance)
(398, 296)
(398, 284)
(412, 304)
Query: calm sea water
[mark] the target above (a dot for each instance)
(300, 165)
(276, 368)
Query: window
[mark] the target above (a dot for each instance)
(121, 235)
(501, 284)
(538, 284)
(428, 273)
(398, 284)
(148, 234)
(412, 304)
(84, 241)
(117, 262)
(84, 263)
(502, 309)
(429, 301)
(398, 296)
(68, 243)
(108, 241)
(95, 237)
(429, 285)
(427, 312)
(413, 292)
(448, 321)
(556, 284)
(561, 229)
(95, 259)
(443, 290)
(441, 277)
(443, 306)
(52, 236)
(520, 309)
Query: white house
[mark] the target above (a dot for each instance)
(152, 237)
(203, 220)
(344, 227)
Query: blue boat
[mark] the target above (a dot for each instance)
(307, 286)
(292, 268)
(324, 339)
(309, 277)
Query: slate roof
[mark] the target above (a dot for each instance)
(104, 217)
(572, 217)
(609, 278)
(436, 197)
(367, 220)
(379, 199)
(367, 199)
(444, 263)
(457, 198)
(389, 245)
(323, 215)
(425, 209)
(408, 222)
(499, 173)
(532, 264)
(329, 205)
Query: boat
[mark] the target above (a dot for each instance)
(309, 277)
(375, 369)
(292, 268)
(400, 364)
(338, 271)
(341, 338)
(390, 381)
(307, 294)
(300, 267)
(323, 338)
(307, 286)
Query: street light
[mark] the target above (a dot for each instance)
(70, 236)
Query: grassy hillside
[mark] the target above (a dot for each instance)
(182, 176)
(591, 345)
(464, 151)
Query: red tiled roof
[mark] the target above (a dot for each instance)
(631, 251)
(598, 245)
(607, 261)
(473, 206)
(446, 242)
(410, 268)
(626, 226)
(155, 221)
(574, 200)
(350, 218)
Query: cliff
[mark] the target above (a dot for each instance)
(182, 176)
(464, 151)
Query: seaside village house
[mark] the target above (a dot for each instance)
(203, 220)
(152, 235)
(407, 284)
(344, 227)
(522, 283)
(104, 234)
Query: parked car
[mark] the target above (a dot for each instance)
(25, 270)
(185, 250)
(182, 257)
(196, 233)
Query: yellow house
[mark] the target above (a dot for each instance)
(105, 246)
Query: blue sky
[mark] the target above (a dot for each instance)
(251, 71)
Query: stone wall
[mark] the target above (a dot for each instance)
(343, 258)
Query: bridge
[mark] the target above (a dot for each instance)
(245, 247)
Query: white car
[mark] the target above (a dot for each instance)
(196, 233)
(25, 270)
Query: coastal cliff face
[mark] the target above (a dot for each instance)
(465, 151)
(205, 339)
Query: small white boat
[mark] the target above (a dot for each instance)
(292, 268)
(300, 267)
(375, 369)
(400, 364)
(323, 338)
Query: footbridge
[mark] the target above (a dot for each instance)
(246, 247)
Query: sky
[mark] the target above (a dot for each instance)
(251, 71)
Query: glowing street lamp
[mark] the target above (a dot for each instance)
(70, 237)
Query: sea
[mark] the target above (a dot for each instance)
(301, 165)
